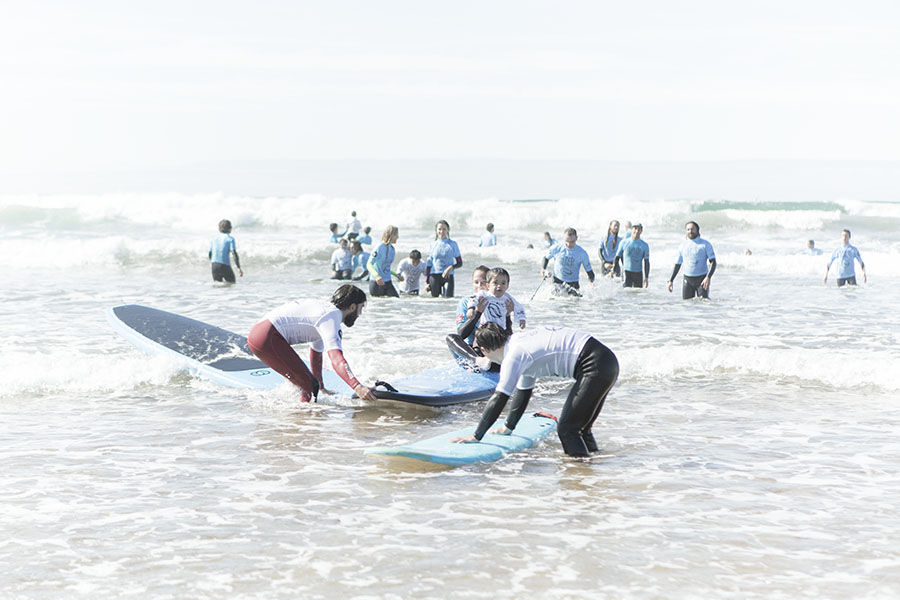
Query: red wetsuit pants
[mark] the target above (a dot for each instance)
(271, 348)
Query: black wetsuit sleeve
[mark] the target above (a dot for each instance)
(590, 275)
(712, 267)
(543, 265)
(647, 268)
(237, 260)
(675, 271)
(466, 328)
(520, 400)
(491, 413)
(616, 262)
(210, 255)
(458, 262)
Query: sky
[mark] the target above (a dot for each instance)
(119, 85)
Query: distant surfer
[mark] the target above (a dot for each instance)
(335, 236)
(442, 260)
(488, 238)
(608, 249)
(221, 249)
(358, 260)
(549, 242)
(353, 227)
(845, 254)
(811, 249)
(317, 323)
(410, 270)
(365, 238)
(379, 264)
(568, 259)
(635, 256)
(542, 352)
(342, 261)
(696, 253)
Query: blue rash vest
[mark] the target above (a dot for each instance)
(379, 264)
(360, 260)
(444, 253)
(608, 248)
(633, 253)
(461, 308)
(365, 239)
(488, 238)
(566, 262)
(221, 248)
(695, 255)
(845, 255)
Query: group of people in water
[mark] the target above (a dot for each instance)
(491, 324)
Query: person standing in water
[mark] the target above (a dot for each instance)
(608, 249)
(542, 352)
(488, 238)
(568, 258)
(695, 253)
(317, 323)
(634, 254)
(442, 260)
(845, 254)
(379, 264)
(221, 249)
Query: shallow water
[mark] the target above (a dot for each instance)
(750, 446)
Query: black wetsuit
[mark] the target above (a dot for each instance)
(382, 290)
(222, 272)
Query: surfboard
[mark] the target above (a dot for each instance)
(532, 428)
(223, 356)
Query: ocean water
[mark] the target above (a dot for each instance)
(750, 446)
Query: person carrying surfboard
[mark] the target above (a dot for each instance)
(317, 323)
(541, 352)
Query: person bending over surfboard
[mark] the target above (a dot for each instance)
(317, 323)
(548, 351)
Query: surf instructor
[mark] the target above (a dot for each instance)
(317, 323)
(548, 351)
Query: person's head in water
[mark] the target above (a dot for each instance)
(570, 236)
(353, 213)
(350, 300)
(636, 230)
(498, 281)
(811, 244)
(492, 340)
(367, 230)
(479, 278)
(547, 237)
(333, 227)
(415, 256)
(845, 236)
(441, 229)
(490, 227)
(355, 247)
(391, 235)
(224, 226)
(692, 230)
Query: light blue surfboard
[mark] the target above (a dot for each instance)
(532, 428)
(222, 356)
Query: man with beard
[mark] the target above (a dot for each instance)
(695, 253)
(315, 322)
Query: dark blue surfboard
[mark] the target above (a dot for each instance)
(222, 356)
